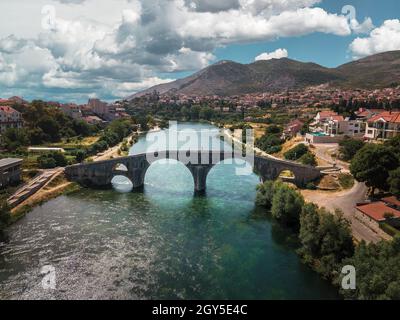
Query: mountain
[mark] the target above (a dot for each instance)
(231, 78)
(380, 70)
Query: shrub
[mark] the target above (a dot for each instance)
(52, 160)
(265, 193)
(287, 204)
(349, 147)
(346, 180)
(297, 152)
(325, 238)
(308, 159)
(5, 218)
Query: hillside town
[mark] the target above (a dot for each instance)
(313, 127)
(94, 112)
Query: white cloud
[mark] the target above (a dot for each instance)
(96, 46)
(381, 39)
(126, 88)
(277, 54)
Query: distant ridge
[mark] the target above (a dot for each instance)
(226, 78)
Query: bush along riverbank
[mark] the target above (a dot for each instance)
(5, 219)
(325, 243)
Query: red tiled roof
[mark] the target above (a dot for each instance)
(7, 109)
(392, 201)
(367, 112)
(326, 114)
(377, 210)
(393, 117)
(337, 118)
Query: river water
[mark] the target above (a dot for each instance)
(160, 243)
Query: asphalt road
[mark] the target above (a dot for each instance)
(346, 202)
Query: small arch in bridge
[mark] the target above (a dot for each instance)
(120, 168)
(237, 174)
(287, 176)
(169, 175)
(122, 184)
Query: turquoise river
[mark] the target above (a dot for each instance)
(160, 243)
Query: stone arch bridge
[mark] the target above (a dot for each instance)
(99, 174)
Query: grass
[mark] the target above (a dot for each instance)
(346, 180)
(74, 143)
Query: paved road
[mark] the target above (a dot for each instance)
(346, 201)
(324, 151)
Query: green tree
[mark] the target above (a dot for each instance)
(269, 143)
(308, 159)
(36, 136)
(372, 165)
(194, 112)
(296, 152)
(206, 113)
(50, 128)
(5, 218)
(13, 139)
(349, 147)
(394, 182)
(287, 205)
(81, 128)
(265, 193)
(325, 239)
(378, 271)
(310, 240)
(52, 160)
(80, 155)
(273, 129)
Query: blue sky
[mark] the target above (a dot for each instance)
(327, 50)
(70, 50)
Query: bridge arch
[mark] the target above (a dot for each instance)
(120, 168)
(100, 174)
(238, 173)
(287, 175)
(174, 174)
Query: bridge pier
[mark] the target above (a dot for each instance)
(100, 174)
(137, 176)
(199, 173)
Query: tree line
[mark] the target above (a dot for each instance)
(325, 243)
(43, 123)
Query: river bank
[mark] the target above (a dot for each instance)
(162, 243)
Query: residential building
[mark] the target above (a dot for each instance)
(99, 107)
(293, 128)
(72, 110)
(9, 118)
(337, 125)
(378, 212)
(383, 126)
(366, 114)
(93, 120)
(10, 171)
(322, 116)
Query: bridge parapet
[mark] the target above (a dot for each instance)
(199, 163)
